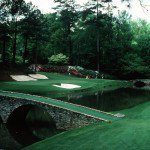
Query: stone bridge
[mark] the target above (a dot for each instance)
(14, 107)
(16, 110)
(142, 83)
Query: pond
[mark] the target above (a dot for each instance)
(111, 100)
(13, 138)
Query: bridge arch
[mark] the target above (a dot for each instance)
(1, 119)
(21, 123)
(139, 83)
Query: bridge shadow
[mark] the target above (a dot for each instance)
(24, 121)
(139, 84)
(1, 121)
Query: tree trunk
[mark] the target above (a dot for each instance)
(70, 44)
(36, 55)
(98, 52)
(70, 50)
(25, 49)
(98, 43)
(4, 51)
(14, 44)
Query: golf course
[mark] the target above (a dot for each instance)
(129, 132)
(74, 74)
(46, 88)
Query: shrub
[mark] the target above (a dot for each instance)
(19, 59)
(58, 59)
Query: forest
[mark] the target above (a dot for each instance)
(89, 36)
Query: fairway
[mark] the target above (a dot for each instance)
(46, 88)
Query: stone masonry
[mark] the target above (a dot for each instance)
(64, 119)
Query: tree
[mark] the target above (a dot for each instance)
(33, 30)
(4, 28)
(4, 37)
(68, 17)
(133, 66)
(121, 42)
(140, 43)
(141, 30)
(97, 13)
(55, 33)
(28, 26)
(16, 11)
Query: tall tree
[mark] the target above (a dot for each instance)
(68, 17)
(99, 12)
(4, 28)
(16, 12)
(27, 28)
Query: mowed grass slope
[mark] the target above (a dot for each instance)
(131, 133)
(46, 88)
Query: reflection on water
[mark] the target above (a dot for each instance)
(111, 100)
(36, 126)
(7, 142)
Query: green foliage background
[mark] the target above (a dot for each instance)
(124, 47)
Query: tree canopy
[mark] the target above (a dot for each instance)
(90, 36)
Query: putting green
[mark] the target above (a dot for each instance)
(46, 88)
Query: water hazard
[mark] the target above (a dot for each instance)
(111, 100)
(13, 137)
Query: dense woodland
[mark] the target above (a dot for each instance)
(90, 36)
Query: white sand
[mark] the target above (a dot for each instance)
(119, 115)
(31, 77)
(38, 76)
(67, 86)
(22, 78)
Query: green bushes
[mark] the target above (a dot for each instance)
(59, 59)
(19, 60)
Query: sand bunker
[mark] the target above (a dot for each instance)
(31, 77)
(119, 115)
(38, 76)
(22, 78)
(67, 86)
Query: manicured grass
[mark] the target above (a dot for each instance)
(121, 134)
(45, 88)
(131, 133)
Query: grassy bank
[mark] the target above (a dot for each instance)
(46, 88)
(130, 133)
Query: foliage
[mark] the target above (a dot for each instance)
(58, 59)
(90, 36)
(19, 60)
(133, 63)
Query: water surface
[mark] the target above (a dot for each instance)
(111, 100)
